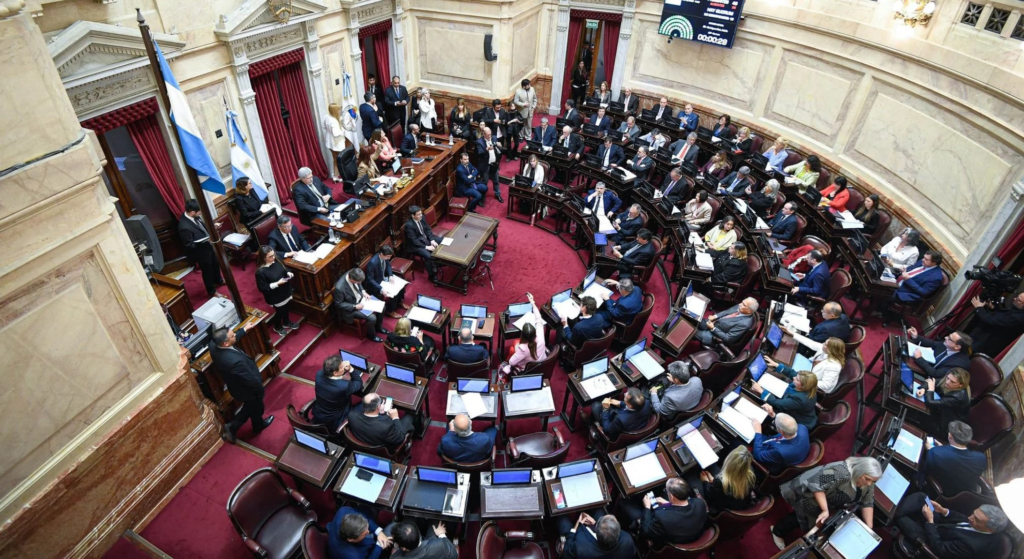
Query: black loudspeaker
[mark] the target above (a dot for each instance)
(140, 230)
(489, 53)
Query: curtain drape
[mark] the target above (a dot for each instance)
(611, 43)
(383, 68)
(303, 130)
(571, 46)
(275, 135)
(383, 57)
(145, 133)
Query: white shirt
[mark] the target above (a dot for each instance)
(319, 197)
(490, 152)
(824, 368)
(334, 139)
(538, 175)
(902, 258)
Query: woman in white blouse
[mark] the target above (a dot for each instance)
(334, 136)
(827, 362)
(901, 252)
(428, 116)
(534, 171)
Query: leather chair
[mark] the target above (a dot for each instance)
(831, 421)
(485, 465)
(537, 450)
(755, 144)
(711, 355)
(314, 542)
(263, 229)
(850, 376)
(824, 179)
(801, 225)
(986, 375)
(838, 284)
(706, 398)
(884, 220)
(402, 267)
(814, 241)
(424, 366)
(792, 158)
(628, 334)
(456, 204)
(301, 419)
(719, 373)
(770, 484)
(903, 549)
(697, 548)
(734, 292)
(430, 214)
(225, 225)
(855, 201)
(716, 204)
(992, 421)
(441, 118)
(604, 445)
(491, 543)
(780, 200)
(733, 523)
(268, 515)
(964, 500)
(396, 134)
(857, 335)
(401, 454)
(545, 366)
(917, 308)
(573, 359)
(467, 370)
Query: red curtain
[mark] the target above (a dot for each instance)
(383, 64)
(145, 133)
(380, 52)
(303, 129)
(275, 135)
(571, 46)
(611, 43)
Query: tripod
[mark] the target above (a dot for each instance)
(484, 270)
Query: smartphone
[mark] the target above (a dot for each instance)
(931, 441)
(650, 495)
(480, 323)
(389, 402)
(559, 499)
(928, 502)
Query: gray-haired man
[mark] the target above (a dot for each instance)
(682, 394)
(312, 197)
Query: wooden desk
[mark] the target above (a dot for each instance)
(551, 483)
(485, 333)
(469, 240)
(313, 284)
(174, 300)
(406, 397)
(369, 377)
(674, 334)
(464, 483)
(580, 396)
(494, 394)
(308, 465)
(880, 442)
(622, 483)
(544, 414)
(787, 350)
(531, 495)
(440, 325)
(630, 373)
(389, 494)
(876, 289)
(672, 444)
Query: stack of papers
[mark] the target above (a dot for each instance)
(739, 422)
(700, 449)
(705, 262)
(751, 410)
(892, 484)
(371, 305)
(324, 250)
(646, 364)
(604, 225)
(773, 384)
(306, 257)
(567, 309)
(420, 314)
(644, 470)
(597, 386)
(236, 239)
(597, 291)
(696, 305)
(528, 317)
(475, 406)
(393, 286)
(927, 353)
(267, 207)
(908, 445)
(446, 241)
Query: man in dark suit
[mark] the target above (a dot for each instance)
(494, 118)
(571, 142)
(466, 176)
(409, 544)
(285, 240)
(354, 535)
(685, 151)
(242, 378)
(627, 224)
(369, 426)
(630, 102)
(626, 416)
(349, 301)
(679, 519)
(636, 253)
(462, 445)
(545, 134)
(334, 386)
(422, 241)
(662, 111)
(641, 164)
(606, 540)
(466, 351)
(951, 534)
(921, 280)
(953, 466)
(602, 201)
(409, 141)
(996, 327)
(374, 87)
(601, 121)
(625, 308)
(610, 154)
(789, 447)
(572, 115)
(589, 327)
(396, 98)
(370, 115)
(729, 325)
(835, 324)
(816, 282)
(735, 183)
(783, 225)
(675, 187)
(688, 120)
(313, 198)
(196, 242)
(378, 271)
(951, 353)
(488, 156)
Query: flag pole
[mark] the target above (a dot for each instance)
(215, 241)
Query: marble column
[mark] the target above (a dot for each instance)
(561, 46)
(315, 79)
(398, 43)
(625, 32)
(357, 72)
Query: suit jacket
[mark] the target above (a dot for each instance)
(338, 548)
(723, 132)
(189, 233)
(583, 545)
(611, 201)
(678, 398)
(574, 117)
(729, 330)
(473, 448)
(667, 113)
(417, 239)
(783, 226)
(691, 154)
(639, 257)
(589, 328)
(379, 430)
(279, 242)
(396, 112)
(465, 178)
(943, 363)
(629, 227)
(777, 453)
(625, 308)
(949, 541)
(307, 203)
(431, 547)
(238, 371)
(546, 138)
(729, 269)
(466, 353)
(629, 105)
(624, 420)
(377, 270)
(409, 145)
(575, 143)
(334, 398)
(797, 404)
(952, 406)
(371, 119)
(920, 286)
(955, 469)
(490, 116)
(678, 191)
(672, 524)
(741, 184)
(481, 151)
(606, 123)
(345, 301)
(642, 167)
(834, 328)
(616, 157)
(816, 282)
(249, 206)
(688, 122)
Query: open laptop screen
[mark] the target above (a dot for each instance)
(634, 349)
(373, 463)
(428, 303)
(757, 367)
(529, 382)
(503, 477)
(402, 374)
(357, 361)
(436, 476)
(305, 439)
(595, 367)
(642, 449)
(775, 335)
(519, 309)
(575, 469)
(472, 385)
(473, 311)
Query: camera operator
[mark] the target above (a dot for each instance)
(997, 328)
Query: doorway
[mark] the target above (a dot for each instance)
(590, 52)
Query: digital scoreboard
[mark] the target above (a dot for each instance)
(705, 21)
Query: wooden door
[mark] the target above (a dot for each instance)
(588, 49)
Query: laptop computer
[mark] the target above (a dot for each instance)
(757, 367)
(512, 476)
(813, 196)
(515, 310)
(358, 362)
(634, 349)
(524, 383)
(908, 379)
(640, 449)
(436, 489)
(401, 374)
(520, 180)
(617, 106)
(682, 452)
(473, 316)
(575, 469)
(692, 305)
(480, 386)
(425, 310)
(372, 463)
(774, 336)
(593, 368)
(311, 441)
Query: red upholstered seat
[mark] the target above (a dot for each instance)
(491, 543)
(314, 542)
(268, 515)
(831, 421)
(537, 450)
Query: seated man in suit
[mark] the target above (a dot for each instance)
(636, 253)
(409, 544)
(641, 164)
(571, 142)
(630, 102)
(729, 325)
(285, 239)
(953, 466)
(196, 242)
(601, 121)
(685, 151)
(622, 416)
(951, 353)
(662, 110)
(735, 183)
(409, 142)
(784, 224)
(354, 535)
(466, 351)
(602, 538)
(682, 394)
(589, 327)
(544, 133)
(602, 201)
(688, 120)
(422, 241)
(655, 139)
(466, 177)
(627, 224)
(335, 384)
(388, 430)
(835, 324)
(312, 197)
(610, 154)
(629, 130)
(625, 308)
(675, 187)
(349, 301)
(814, 283)
(791, 446)
(462, 445)
(679, 519)
(378, 271)
(572, 115)
(920, 281)
(948, 533)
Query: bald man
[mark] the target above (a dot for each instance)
(835, 324)
(462, 445)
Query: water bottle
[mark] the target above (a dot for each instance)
(451, 140)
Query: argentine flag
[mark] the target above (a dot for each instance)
(192, 146)
(242, 162)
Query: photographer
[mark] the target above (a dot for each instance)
(997, 328)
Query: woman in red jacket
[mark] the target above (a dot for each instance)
(837, 195)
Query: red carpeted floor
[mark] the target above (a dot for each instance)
(194, 523)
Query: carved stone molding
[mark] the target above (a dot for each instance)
(1017, 191)
(372, 12)
(10, 8)
(242, 69)
(92, 97)
(264, 43)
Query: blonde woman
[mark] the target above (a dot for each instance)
(741, 144)
(428, 115)
(733, 487)
(798, 401)
(827, 362)
(718, 166)
(334, 136)
(777, 154)
(804, 174)
(401, 338)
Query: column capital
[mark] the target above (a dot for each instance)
(11, 8)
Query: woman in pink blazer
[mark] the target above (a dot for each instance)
(531, 344)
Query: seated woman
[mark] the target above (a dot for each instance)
(741, 144)
(804, 174)
(717, 167)
(836, 195)
(730, 267)
(247, 202)
(763, 201)
(776, 154)
(386, 153)
(827, 362)
(722, 130)
(401, 339)
(698, 211)
(534, 170)
(462, 120)
(902, 252)
(867, 214)
(721, 236)
(799, 400)
(734, 486)
(603, 94)
(368, 162)
(949, 401)
(531, 345)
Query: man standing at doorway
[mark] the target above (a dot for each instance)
(395, 100)
(526, 101)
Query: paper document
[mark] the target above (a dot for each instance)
(586, 211)
(647, 365)
(530, 401)
(373, 305)
(773, 384)
(730, 398)
(324, 250)
(420, 314)
(801, 363)
(892, 484)
(446, 241)
(368, 490)
(604, 225)
(581, 490)
(236, 239)
(700, 449)
(751, 410)
(760, 224)
(644, 470)
(567, 309)
(854, 540)
(803, 324)
(847, 215)
(267, 207)
(909, 445)
(854, 224)
(306, 257)
(597, 386)
(927, 353)
(704, 261)
(393, 286)
(794, 309)
(696, 305)
(715, 139)
(741, 206)
(739, 422)
(675, 210)
(597, 291)
(528, 317)
(474, 403)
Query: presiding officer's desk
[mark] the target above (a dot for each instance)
(512, 502)
(553, 484)
(412, 399)
(455, 406)
(574, 388)
(526, 405)
(621, 478)
(307, 465)
(387, 501)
